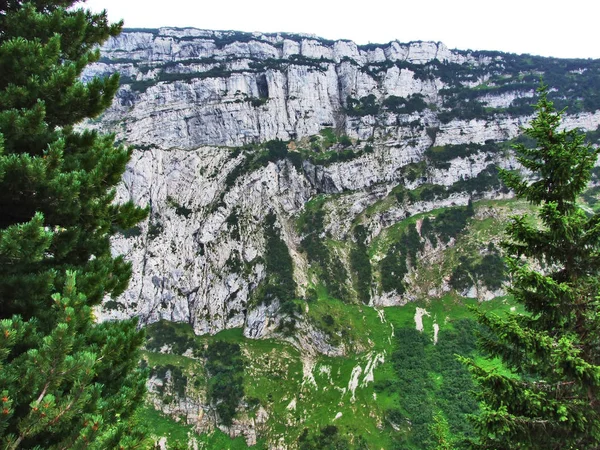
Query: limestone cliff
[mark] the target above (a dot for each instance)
(367, 129)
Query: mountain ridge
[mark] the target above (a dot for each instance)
(327, 217)
(206, 110)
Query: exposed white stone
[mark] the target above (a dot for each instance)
(505, 100)
(292, 405)
(419, 313)
(308, 364)
(185, 257)
(301, 99)
(373, 360)
(353, 383)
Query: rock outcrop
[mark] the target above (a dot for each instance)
(359, 120)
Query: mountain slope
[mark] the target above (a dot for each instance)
(301, 190)
(360, 122)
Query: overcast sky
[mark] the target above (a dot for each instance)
(566, 29)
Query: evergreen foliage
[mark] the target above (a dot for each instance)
(164, 333)
(178, 379)
(401, 105)
(279, 267)
(403, 254)
(447, 224)
(366, 106)
(328, 438)
(551, 400)
(332, 270)
(225, 370)
(412, 366)
(326, 158)
(488, 270)
(428, 412)
(257, 157)
(456, 397)
(313, 225)
(361, 265)
(485, 181)
(394, 266)
(66, 382)
(441, 155)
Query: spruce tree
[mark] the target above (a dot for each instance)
(550, 398)
(65, 381)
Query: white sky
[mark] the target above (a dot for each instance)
(566, 29)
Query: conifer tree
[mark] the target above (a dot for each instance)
(65, 381)
(551, 398)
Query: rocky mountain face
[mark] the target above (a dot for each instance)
(275, 165)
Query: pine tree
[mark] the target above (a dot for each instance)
(550, 400)
(65, 381)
